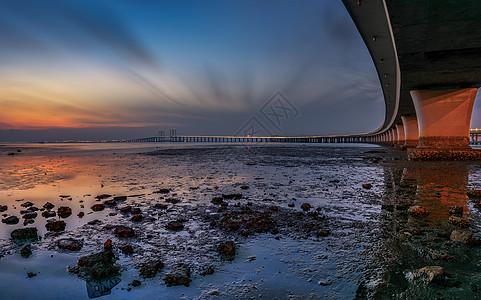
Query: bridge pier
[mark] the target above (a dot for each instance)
(400, 135)
(444, 118)
(411, 131)
(394, 137)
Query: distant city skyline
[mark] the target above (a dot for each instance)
(94, 70)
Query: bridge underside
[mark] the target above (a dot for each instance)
(433, 46)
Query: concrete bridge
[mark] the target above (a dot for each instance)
(475, 139)
(428, 58)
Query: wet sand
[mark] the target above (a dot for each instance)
(352, 242)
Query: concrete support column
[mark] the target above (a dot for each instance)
(444, 117)
(400, 134)
(390, 136)
(411, 131)
(394, 136)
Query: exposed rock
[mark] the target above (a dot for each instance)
(305, 206)
(31, 274)
(11, 220)
(427, 275)
(179, 276)
(135, 283)
(120, 198)
(98, 265)
(26, 251)
(136, 218)
(459, 222)
(274, 208)
(135, 210)
(244, 187)
(461, 236)
(124, 231)
(161, 206)
(227, 248)
(103, 196)
(417, 210)
(24, 233)
(28, 221)
(70, 244)
(127, 249)
(55, 226)
(48, 205)
(247, 219)
(126, 209)
(26, 204)
(64, 211)
(474, 194)
(95, 222)
(30, 215)
(48, 214)
(217, 200)
(456, 210)
(323, 233)
(232, 196)
(81, 214)
(172, 200)
(97, 207)
(150, 268)
(174, 226)
(367, 186)
(162, 191)
(209, 270)
(110, 203)
(3, 208)
(440, 256)
(291, 205)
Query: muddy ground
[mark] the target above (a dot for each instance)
(325, 221)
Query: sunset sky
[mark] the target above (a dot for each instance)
(116, 69)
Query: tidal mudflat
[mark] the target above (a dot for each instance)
(236, 221)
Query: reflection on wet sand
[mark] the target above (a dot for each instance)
(101, 288)
(411, 243)
(439, 188)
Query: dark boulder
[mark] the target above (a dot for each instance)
(136, 218)
(459, 222)
(174, 226)
(24, 233)
(30, 215)
(305, 206)
(11, 220)
(217, 200)
(99, 265)
(179, 276)
(26, 251)
(48, 214)
(48, 205)
(124, 231)
(417, 210)
(150, 268)
(64, 211)
(227, 248)
(55, 226)
(103, 196)
(97, 207)
(70, 244)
